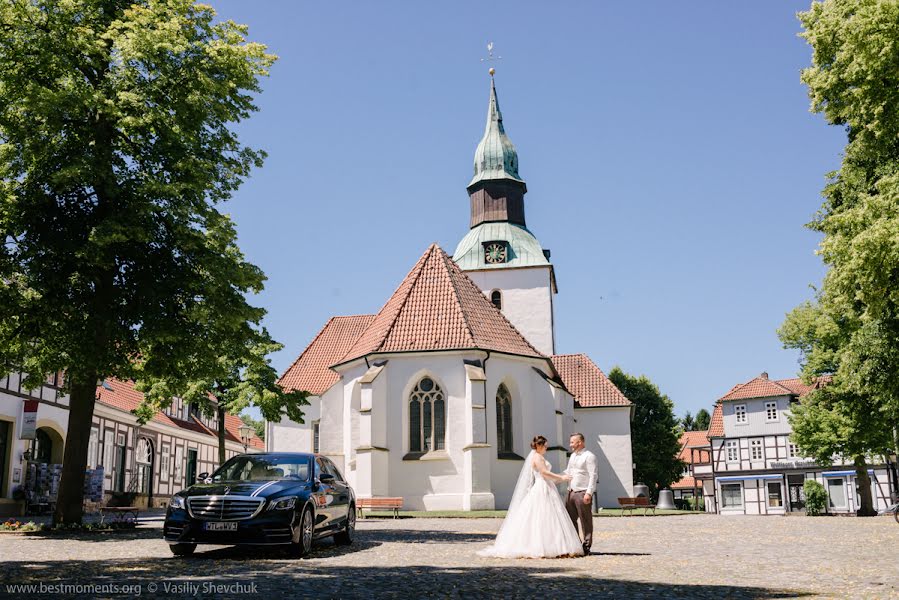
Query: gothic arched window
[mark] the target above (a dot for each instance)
(496, 297)
(427, 417)
(503, 420)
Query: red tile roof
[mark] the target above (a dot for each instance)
(437, 307)
(762, 387)
(310, 372)
(586, 382)
(692, 439)
(716, 424)
(686, 483)
(123, 396)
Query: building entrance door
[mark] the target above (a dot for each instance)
(4, 449)
(797, 492)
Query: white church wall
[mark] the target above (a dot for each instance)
(290, 436)
(608, 435)
(437, 481)
(527, 301)
(533, 413)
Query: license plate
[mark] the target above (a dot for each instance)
(221, 526)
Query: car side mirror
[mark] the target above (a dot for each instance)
(202, 477)
(325, 478)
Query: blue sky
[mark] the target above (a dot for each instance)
(670, 158)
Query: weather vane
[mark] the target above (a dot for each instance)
(491, 58)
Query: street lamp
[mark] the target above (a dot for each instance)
(245, 431)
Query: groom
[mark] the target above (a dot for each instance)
(582, 469)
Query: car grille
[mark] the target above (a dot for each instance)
(224, 508)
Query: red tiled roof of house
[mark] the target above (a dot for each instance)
(586, 381)
(123, 396)
(692, 439)
(686, 483)
(310, 372)
(716, 423)
(801, 389)
(759, 387)
(762, 387)
(437, 307)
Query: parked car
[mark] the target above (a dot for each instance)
(273, 498)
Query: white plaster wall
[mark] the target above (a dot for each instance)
(607, 431)
(533, 413)
(290, 436)
(756, 417)
(527, 301)
(427, 484)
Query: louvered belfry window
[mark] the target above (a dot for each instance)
(503, 420)
(427, 417)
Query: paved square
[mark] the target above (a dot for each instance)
(694, 556)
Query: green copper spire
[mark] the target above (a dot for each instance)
(495, 157)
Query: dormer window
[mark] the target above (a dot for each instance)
(496, 297)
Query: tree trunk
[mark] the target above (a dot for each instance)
(70, 497)
(863, 481)
(220, 413)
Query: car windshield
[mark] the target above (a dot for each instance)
(267, 467)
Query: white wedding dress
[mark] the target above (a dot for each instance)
(537, 524)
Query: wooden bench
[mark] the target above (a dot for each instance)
(119, 514)
(632, 504)
(394, 504)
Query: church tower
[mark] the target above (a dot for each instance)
(499, 253)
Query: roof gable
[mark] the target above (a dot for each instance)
(689, 440)
(311, 372)
(586, 381)
(438, 307)
(762, 387)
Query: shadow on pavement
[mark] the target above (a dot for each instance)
(300, 578)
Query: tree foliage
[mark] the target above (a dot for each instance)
(654, 432)
(702, 420)
(116, 150)
(851, 330)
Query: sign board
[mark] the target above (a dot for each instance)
(794, 464)
(29, 420)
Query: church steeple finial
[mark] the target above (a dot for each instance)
(495, 157)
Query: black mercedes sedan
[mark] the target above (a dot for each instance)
(273, 498)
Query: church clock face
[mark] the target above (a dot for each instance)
(494, 253)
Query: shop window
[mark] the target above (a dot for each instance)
(836, 491)
(775, 495)
(731, 495)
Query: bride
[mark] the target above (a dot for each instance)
(537, 524)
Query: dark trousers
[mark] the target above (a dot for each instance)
(577, 510)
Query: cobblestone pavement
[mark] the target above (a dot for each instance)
(694, 556)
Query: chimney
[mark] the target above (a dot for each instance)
(764, 375)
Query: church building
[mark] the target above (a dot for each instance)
(437, 396)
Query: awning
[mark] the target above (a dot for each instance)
(843, 473)
(742, 477)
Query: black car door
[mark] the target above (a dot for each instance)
(323, 492)
(341, 503)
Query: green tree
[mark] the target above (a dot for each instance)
(687, 422)
(851, 330)
(654, 431)
(257, 424)
(116, 150)
(245, 377)
(702, 421)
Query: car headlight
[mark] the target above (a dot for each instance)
(177, 502)
(283, 503)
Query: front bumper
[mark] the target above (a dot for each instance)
(267, 528)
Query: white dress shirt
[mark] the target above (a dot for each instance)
(582, 468)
